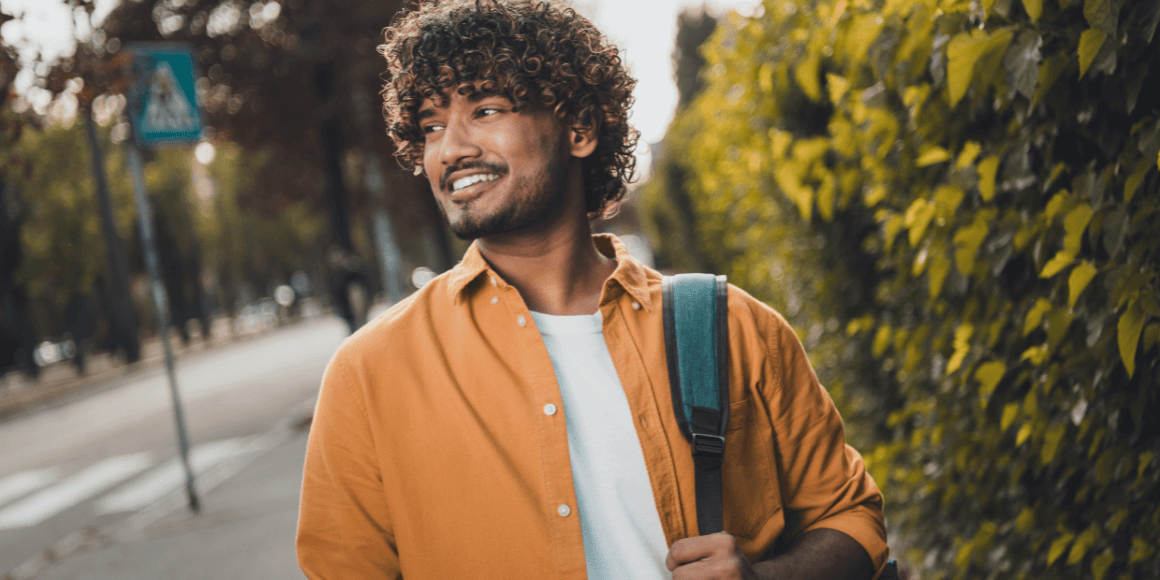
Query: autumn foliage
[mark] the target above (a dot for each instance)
(955, 202)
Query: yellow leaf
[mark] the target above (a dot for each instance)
(1056, 205)
(779, 142)
(1025, 520)
(1101, 564)
(837, 87)
(1024, 433)
(1034, 8)
(1089, 45)
(890, 230)
(881, 340)
(1057, 547)
(1010, 413)
(1036, 354)
(1035, 315)
(962, 347)
(874, 195)
(1082, 544)
(1080, 276)
(987, 169)
(1057, 264)
(967, 242)
(1135, 179)
(940, 266)
(826, 194)
(947, 199)
(931, 155)
(918, 217)
(1074, 225)
(989, 374)
(1049, 72)
(806, 75)
(787, 179)
(968, 155)
(963, 51)
(1128, 334)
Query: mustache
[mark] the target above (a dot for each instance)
(496, 168)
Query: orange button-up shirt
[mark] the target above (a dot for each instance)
(432, 456)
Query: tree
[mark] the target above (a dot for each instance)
(969, 191)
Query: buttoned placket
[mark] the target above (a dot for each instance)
(557, 464)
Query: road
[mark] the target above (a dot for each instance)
(96, 461)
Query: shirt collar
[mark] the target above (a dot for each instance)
(630, 274)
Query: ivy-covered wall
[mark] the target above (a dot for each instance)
(955, 202)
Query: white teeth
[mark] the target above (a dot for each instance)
(459, 184)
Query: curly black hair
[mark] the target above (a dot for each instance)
(526, 50)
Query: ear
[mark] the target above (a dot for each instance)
(583, 140)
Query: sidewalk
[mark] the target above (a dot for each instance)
(245, 531)
(60, 382)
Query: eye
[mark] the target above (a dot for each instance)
(488, 111)
(429, 129)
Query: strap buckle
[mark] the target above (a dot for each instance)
(710, 445)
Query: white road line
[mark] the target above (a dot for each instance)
(154, 485)
(49, 502)
(18, 484)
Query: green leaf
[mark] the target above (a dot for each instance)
(1102, 14)
(1089, 45)
(1049, 72)
(1115, 229)
(1101, 564)
(1080, 276)
(987, 170)
(1034, 8)
(1128, 335)
(1022, 62)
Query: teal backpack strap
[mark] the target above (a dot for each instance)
(696, 323)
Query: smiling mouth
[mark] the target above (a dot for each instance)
(465, 186)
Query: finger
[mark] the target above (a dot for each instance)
(692, 549)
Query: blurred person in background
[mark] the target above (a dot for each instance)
(512, 419)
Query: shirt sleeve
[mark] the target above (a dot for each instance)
(344, 530)
(824, 481)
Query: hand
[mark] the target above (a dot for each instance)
(712, 557)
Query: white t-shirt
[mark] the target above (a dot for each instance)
(622, 531)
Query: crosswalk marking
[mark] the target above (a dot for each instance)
(18, 484)
(48, 502)
(154, 485)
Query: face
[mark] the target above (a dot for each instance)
(494, 169)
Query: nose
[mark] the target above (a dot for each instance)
(457, 144)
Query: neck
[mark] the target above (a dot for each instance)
(556, 268)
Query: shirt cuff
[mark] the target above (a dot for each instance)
(865, 526)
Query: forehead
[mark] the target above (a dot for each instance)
(428, 106)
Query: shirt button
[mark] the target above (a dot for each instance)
(564, 510)
(493, 282)
(549, 409)
(636, 305)
(494, 299)
(522, 321)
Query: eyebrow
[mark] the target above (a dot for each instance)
(473, 97)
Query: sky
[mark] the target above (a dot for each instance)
(643, 29)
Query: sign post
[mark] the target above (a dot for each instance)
(162, 111)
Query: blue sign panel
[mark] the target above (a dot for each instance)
(164, 100)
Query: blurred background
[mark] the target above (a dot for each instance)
(954, 203)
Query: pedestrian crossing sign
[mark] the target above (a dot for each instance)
(164, 98)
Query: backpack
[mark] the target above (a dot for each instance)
(696, 320)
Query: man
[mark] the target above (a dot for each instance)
(513, 419)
